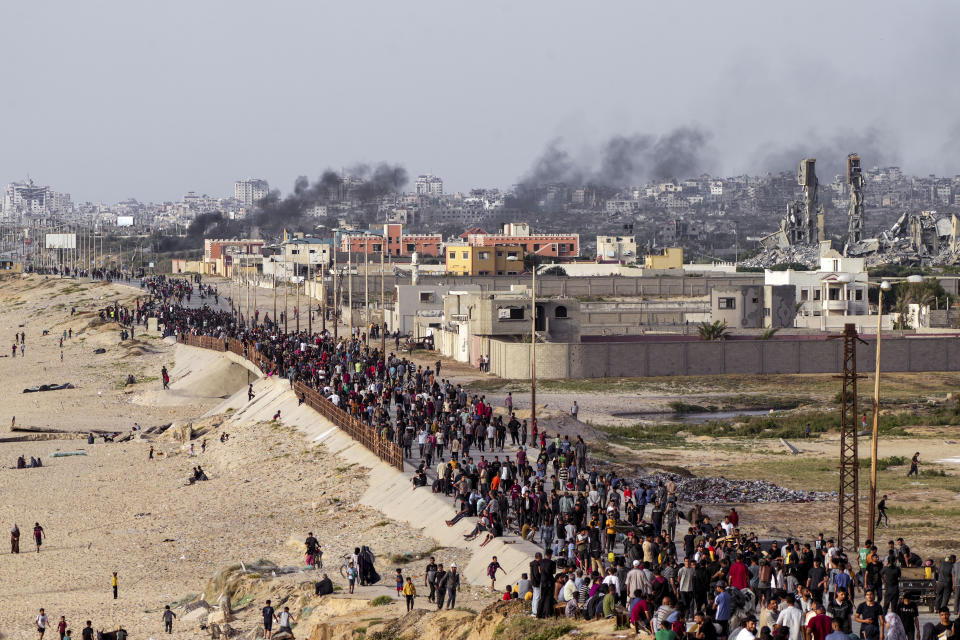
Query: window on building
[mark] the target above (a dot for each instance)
(426, 296)
(499, 273)
(484, 273)
(804, 295)
(766, 312)
(465, 255)
(836, 265)
(510, 313)
(536, 247)
(755, 300)
(411, 247)
(816, 294)
(834, 293)
(859, 294)
(560, 312)
(499, 254)
(511, 254)
(378, 248)
(484, 255)
(726, 303)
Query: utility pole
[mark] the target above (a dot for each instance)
(336, 289)
(309, 295)
(274, 294)
(366, 290)
(848, 499)
(286, 289)
(533, 345)
(296, 281)
(350, 285)
(383, 312)
(323, 300)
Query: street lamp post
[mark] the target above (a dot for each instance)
(883, 286)
(533, 337)
(875, 435)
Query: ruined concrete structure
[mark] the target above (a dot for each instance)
(855, 180)
(803, 224)
(920, 238)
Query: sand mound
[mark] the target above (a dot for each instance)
(197, 374)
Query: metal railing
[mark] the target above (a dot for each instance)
(385, 449)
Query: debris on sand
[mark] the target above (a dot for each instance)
(719, 490)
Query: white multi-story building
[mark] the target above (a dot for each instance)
(250, 191)
(429, 185)
(831, 296)
(619, 248)
(26, 197)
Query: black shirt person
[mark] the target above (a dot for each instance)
(870, 616)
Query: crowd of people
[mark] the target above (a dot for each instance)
(610, 545)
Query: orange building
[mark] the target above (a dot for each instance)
(398, 243)
(553, 245)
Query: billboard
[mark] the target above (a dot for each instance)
(124, 221)
(61, 241)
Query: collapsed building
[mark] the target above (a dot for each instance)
(803, 224)
(917, 238)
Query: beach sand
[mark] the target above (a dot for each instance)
(115, 510)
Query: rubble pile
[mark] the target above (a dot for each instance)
(719, 490)
(804, 254)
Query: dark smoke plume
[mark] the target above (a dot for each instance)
(626, 160)
(379, 181)
(277, 212)
(874, 147)
(623, 161)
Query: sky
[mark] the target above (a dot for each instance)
(111, 99)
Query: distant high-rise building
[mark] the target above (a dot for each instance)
(30, 198)
(429, 185)
(250, 191)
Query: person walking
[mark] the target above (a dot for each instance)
(882, 512)
(15, 539)
(41, 623)
(492, 572)
(62, 627)
(409, 590)
(451, 583)
(38, 535)
(113, 583)
(168, 617)
(269, 615)
(914, 465)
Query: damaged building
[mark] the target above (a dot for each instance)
(917, 238)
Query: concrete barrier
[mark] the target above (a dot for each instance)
(659, 357)
(388, 490)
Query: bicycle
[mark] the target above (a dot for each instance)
(345, 561)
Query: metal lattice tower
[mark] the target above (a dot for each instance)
(848, 499)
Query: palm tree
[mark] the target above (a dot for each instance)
(901, 309)
(716, 330)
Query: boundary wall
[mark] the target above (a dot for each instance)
(703, 358)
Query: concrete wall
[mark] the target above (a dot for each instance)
(388, 490)
(697, 357)
(607, 285)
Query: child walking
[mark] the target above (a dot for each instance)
(409, 592)
(399, 583)
(351, 576)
